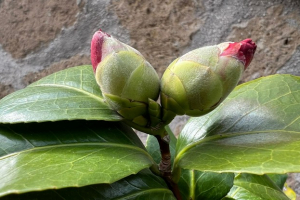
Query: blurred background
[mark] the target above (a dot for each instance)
(39, 37)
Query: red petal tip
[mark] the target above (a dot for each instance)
(96, 48)
(243, 51)
(103, 33)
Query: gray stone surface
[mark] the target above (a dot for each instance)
(292, 66)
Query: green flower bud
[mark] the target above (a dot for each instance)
(126, 79)
(200, 80)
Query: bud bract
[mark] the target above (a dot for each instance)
(126, 79)
(200, 80)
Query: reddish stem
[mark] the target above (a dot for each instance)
(165, 164)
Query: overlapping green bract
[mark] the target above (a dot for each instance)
(128, 82)
(197, 82)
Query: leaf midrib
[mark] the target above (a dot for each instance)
(222, 135)
(70, 88)
(78, 144)
(81, 144)
(257, 184)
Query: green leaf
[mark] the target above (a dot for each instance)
(255, 187)
(153, 146)
(195, 185)
(227, 198)
(66, 95)
(278, 179)
(143, 185)
(39, 156)
(255, 130)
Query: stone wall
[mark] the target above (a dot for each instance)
(40, 37)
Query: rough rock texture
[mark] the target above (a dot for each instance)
(292, 65)
(277, 35)
(294, 183)
(40, 37)
(160, 30)
(55, 67)
(6, 89)
(27, 25)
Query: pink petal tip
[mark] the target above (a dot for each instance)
(96, 48)
(243, 51)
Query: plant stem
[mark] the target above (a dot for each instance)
(147, 130)
(165, 164)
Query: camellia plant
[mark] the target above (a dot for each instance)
(69, 135)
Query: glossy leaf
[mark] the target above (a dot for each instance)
(255, 130)
(39, 156)
(255, 187)
(66, 95)
(278, 179)
(143, 185)
(194, 184)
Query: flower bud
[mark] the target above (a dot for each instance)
(126, 79)
(200, 80)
